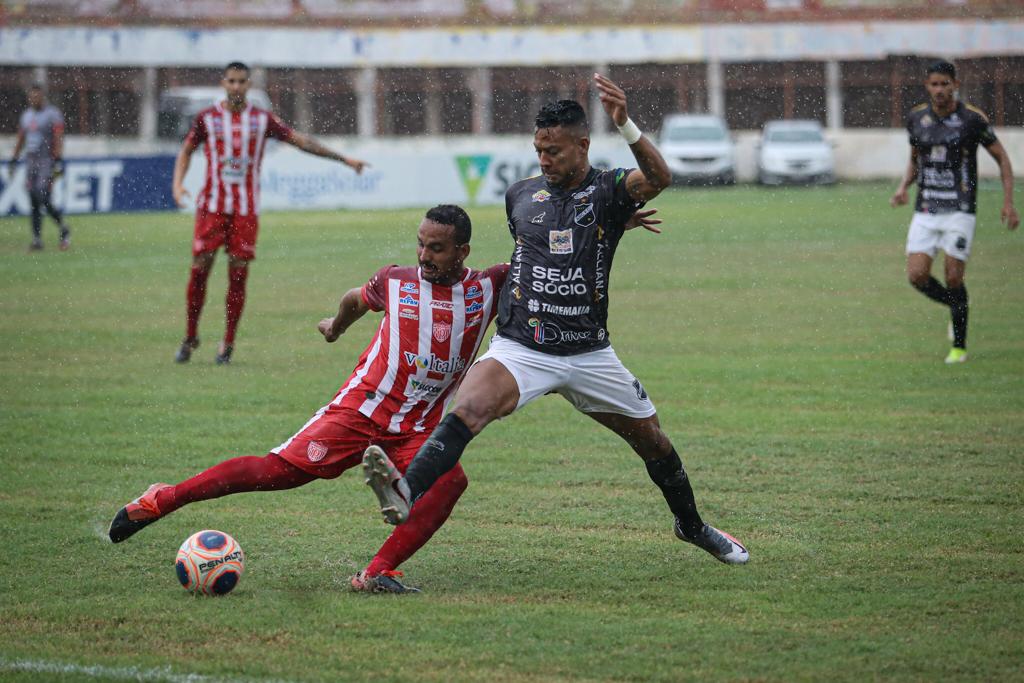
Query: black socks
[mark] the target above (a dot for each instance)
(958, 311)
(934, 290)
(669, 475)
(956, 299)
(438, 454)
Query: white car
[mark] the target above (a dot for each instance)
(795, 152)
(698, 149)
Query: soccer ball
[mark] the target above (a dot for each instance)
(210, 562)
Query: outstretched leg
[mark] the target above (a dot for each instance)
(237, 475)
(665, 468)
(432, 510)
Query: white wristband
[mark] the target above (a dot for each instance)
(629, 131)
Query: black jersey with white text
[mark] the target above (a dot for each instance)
(947, 156)
(555, 299)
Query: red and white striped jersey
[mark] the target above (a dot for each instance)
(428, 338)
(233, 143)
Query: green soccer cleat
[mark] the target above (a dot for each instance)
(956, 356)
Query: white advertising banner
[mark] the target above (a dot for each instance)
(396, 178)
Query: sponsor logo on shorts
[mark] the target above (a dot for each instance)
(961, 243)
(560, 241)
(433, 363)
(316, 451)
(442, 330)
(640, 392)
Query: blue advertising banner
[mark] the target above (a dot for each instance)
(98, 185)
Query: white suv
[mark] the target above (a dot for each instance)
(698, 149)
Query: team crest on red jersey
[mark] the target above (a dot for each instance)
(316, 451)
(442, 330)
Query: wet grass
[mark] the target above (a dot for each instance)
(880, 492)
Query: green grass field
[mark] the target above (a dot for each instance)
(880, 491)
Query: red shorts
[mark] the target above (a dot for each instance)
(237, 233)
(335, 438)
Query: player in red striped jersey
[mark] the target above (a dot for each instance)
(233, 134)
(434, 319)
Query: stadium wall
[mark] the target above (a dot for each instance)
(112, 176)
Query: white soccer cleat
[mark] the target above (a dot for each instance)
(721, 545)
(385, 480)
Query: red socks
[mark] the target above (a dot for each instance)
(427, 516)
(238, 475)
(195, 295)
(235, 300)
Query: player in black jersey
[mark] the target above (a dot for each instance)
(552, 319)
(944, 139)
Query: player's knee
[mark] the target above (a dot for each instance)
(917, 279)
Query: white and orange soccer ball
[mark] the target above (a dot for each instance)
(210, 562)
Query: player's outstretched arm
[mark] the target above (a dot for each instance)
(1009, 213)
(899, 198)
(310, 145)
(652, 174)
(351, 309)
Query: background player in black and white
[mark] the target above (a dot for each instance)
(552, 319)
(944, 138)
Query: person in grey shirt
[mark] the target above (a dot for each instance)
(41, 135)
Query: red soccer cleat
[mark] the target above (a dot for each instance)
(137, 514)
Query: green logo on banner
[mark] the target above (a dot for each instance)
(473, 170)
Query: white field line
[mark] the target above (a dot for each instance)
(125, 673)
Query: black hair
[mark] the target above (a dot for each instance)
(562, 113)
(455, 216)
(942, 67)
(240, 66)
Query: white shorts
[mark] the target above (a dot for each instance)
(953, 233)
(594, 382)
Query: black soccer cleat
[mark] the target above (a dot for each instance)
(188, 345)
(385, 582)
(224, 355)
(721, 545)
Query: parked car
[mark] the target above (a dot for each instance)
(795, 152)
(698, 149)
(179, 106)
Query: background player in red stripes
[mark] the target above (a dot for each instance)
(233, 134)
(434, 319)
